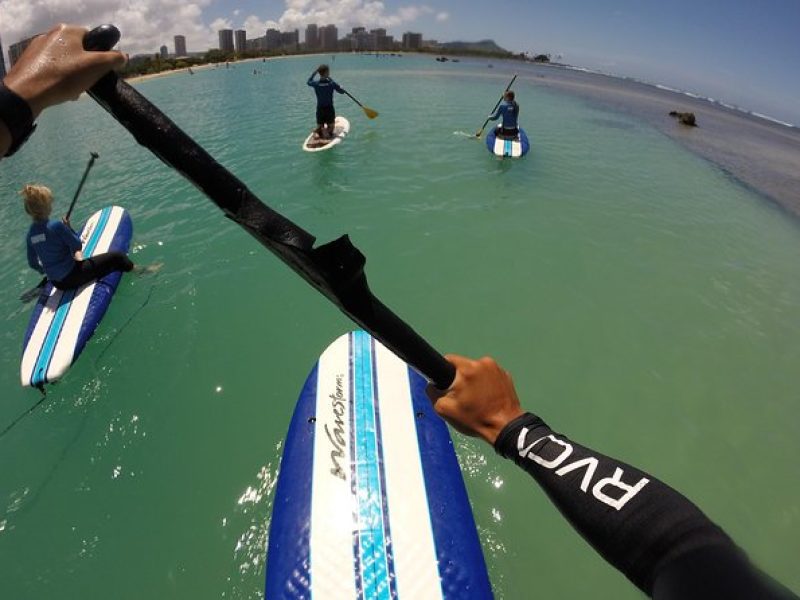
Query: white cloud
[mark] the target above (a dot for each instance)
(147, 24)
(348, 13)
(442, 16)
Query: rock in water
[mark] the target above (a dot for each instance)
(687, 118)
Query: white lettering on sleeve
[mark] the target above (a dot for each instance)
(527, 451)
(616, 481)
(591, 466)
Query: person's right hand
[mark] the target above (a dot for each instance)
(480, 401)
(55, 68)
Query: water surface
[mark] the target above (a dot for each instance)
(647, 305)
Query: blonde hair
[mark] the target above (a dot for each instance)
(38, 200)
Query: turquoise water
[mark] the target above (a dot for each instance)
(646, 304)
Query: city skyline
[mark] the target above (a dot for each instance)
(732, 50)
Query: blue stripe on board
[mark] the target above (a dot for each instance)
(462, 568)
(507, 148)
(88, 250)
(382, 471)
(353, 477)
(374, 571)
(39, 375)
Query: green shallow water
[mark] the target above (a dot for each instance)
(646, 304)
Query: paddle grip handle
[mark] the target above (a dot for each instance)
(101, 38)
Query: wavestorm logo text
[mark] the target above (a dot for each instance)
(336, 435)
(589, 463)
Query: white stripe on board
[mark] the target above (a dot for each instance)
(415, 562)
(34, 346)
(64, 351)
(331, 545)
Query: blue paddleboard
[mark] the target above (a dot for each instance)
(370, 502)
(515, 148)
(63, 321)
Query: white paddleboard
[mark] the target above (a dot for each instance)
(370, 501)
(341, 127)
(63, 321)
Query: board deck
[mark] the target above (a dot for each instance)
(370, 501)
(63, 321)
(514, 148)
(341, 127)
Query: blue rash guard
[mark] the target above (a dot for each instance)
(324, 88)
(509, 111)
(51, 246)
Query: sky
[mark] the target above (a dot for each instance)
(739, 51)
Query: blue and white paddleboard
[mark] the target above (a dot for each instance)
(515, 148)
(62, 322)
(370, 502)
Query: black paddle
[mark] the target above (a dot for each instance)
(89, 165)
(508, 87)
(335, 269)
(34, 292)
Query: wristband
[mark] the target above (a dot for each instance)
(17, 116)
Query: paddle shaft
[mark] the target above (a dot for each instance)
(354, 99)
(335, 269)
(508, 87)
(89, 166)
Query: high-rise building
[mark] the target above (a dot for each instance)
(412, 41)
(16, 50)
(378, 40)
(329, 38)
(180, 45)
(273, 41)
(163, 51)
(290, 40)
(2, 62)
(226, 40)
(312, 37)
(360, 40)
(241, 40)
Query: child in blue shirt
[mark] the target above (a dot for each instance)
(509, 111)
(54, 249)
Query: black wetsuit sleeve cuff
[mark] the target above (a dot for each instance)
(506, 442)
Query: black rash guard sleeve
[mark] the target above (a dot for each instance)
(655, 536)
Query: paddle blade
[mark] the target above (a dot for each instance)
(371, 114)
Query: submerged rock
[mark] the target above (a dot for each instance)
(687, 118)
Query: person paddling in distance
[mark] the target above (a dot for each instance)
(54, 249)
(53, 69)
(656, 537)
(509, 111)
(324, 88)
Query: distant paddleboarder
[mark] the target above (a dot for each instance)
(324, 88)
(509, 111)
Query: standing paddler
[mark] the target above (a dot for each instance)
(324, 88)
